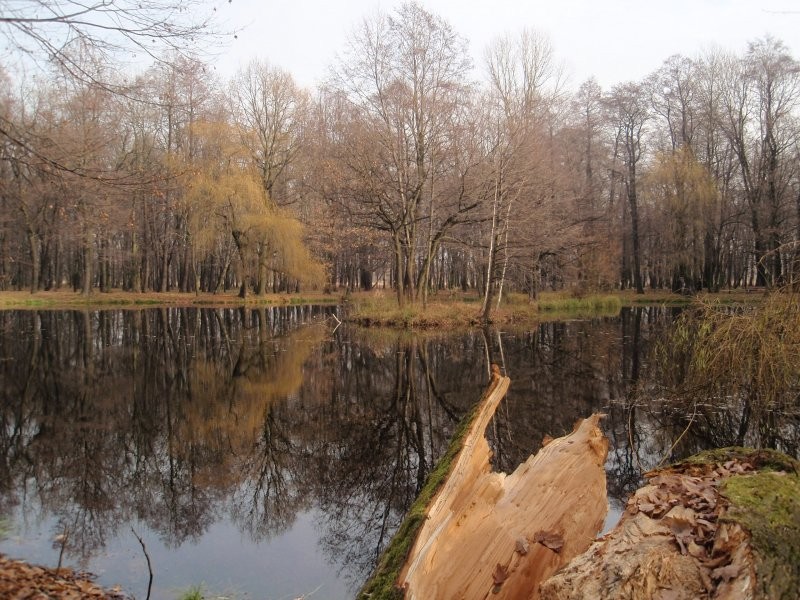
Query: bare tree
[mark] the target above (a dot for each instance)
(404, 75)
(526, 83)
(761, 92)
(48, 29)
(45, 34)
(270, 114)
(628, 114)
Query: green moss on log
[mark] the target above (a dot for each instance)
(381, 586)
(767, 504)
(762, 460)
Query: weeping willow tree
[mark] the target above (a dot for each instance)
(229, 213)
(738, 369)
(686, 202)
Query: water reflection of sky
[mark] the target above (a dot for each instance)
(263, 455)
(224, 561)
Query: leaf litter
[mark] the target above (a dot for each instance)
(22, 581)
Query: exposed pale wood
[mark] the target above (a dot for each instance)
(479, 540)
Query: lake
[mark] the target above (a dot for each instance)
(268, 453)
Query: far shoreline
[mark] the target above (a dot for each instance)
(379, 309)
(97, 300)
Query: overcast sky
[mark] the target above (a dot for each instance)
(612, 40)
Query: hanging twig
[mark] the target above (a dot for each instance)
(149, 566)
(680, 437)
(63, 539)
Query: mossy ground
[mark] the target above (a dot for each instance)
(767, 504)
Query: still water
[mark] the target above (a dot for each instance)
(269, 454)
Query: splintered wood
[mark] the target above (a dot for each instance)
(492, 535)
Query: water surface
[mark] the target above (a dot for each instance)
(268, 454)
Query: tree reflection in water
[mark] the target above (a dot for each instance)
(183, 418)
(178, 418)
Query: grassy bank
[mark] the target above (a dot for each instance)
(119, 299)
(462, 310)
(453, 309)
(379, 308)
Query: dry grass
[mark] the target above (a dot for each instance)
(382, 310)
(122, 299)
(762, 341)
(452, 311)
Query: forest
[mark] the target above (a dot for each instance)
(410, 168)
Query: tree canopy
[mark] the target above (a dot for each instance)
(406, 170)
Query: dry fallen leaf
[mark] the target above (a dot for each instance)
(521, 546)
(500, 574)
(646, 507)
(21, 580)
(549, 539)
(725, 573)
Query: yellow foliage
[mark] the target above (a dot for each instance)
(224, 196)
(683, 191)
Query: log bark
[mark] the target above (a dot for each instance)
(492, 535)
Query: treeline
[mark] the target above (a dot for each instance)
(403, 171)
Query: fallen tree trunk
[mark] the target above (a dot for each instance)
(723, 525)
(491, 535)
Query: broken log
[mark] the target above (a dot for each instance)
(724, 524)
(489, 534)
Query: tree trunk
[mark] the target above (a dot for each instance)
(634, 206)
(105, 273)
(398, 262)
(261, 283)
(505, 256)
(33, 241)
(163, 285)
(488, 292)
(485, 537)
(88, 259)
(245, 279)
